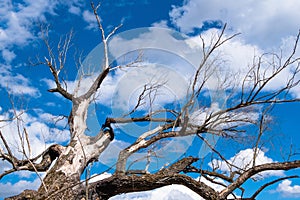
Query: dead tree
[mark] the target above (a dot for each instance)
(62, 181)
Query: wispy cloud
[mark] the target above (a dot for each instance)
(89, 18)
(16, 84)
(75, 7)
(16, 21)
(17, 30)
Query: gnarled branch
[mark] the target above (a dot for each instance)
(48, 156)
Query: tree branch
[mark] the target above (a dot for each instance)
(48, 156)
(117, 184)
(96, 84)
(270, 183)
(51, 61)
(255, 170)
(146, 118)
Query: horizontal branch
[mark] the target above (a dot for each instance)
(124, 184)
(209, 173)
(138, 119)
(117, 184)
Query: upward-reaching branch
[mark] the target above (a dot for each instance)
(105, 68)
(96, 84)
(51, 61)
(59, 87)
(104, 37)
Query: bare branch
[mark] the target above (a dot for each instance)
(217, 152)
(146, 118)
(51, 61)
(255, 170)
(104, 38)
(152, 181)
(270, 183)
(48, 156)
(96, 85)
(261, 131)
(10, 158)
(113, 31)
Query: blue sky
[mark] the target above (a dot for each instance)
(265, 26)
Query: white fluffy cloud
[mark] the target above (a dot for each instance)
(264, 23)
(160, 24)
(39, 132)
(288, 190)
(164, 49)
(16, 20)
(9, 189)
(239, 56)
(130, 86)
(166, 59)
(40, 137)
(8, 55)
(244, 160)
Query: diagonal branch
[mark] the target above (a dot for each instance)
(255, 170)
(178, 166)
(10, 158)
(270, 183)
(96, 84)
(59, 87)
